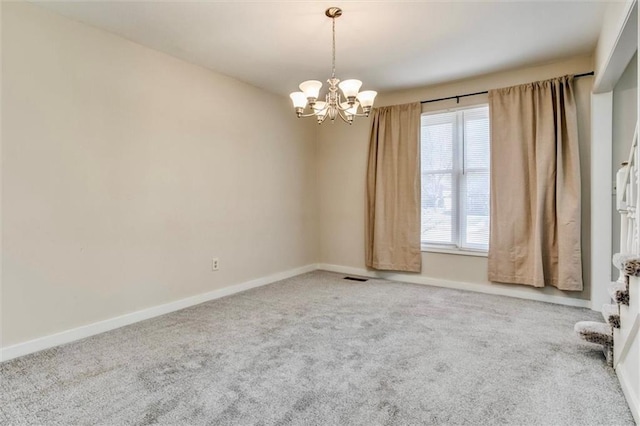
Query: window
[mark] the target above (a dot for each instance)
(455, 179)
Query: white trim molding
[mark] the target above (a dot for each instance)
(601, 190)
(89, 330)
(451, 250)
(497, 289)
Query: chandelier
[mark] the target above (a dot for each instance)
(357, 104)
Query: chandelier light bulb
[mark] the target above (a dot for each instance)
(311, 88)
(366, 97)
(350, 88)
(299, 100)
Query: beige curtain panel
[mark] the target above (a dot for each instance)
(535, 186)
(393, 190)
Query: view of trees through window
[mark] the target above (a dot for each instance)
(455, 178)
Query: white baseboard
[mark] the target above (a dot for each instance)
(88, 330)
(479, 288)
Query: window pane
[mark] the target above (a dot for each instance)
(476, 138)
(477, 209)
(437, 138)
(437, 208)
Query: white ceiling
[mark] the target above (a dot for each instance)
(388, 45)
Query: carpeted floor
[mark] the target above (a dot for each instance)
(320, 350)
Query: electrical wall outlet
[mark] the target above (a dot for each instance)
(215, 264)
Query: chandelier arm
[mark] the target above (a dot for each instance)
(323, 118)
(348, 108)
(316, 112)
(357, 114)
(344, 118)
(308, 115)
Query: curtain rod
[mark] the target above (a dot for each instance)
(457, 98)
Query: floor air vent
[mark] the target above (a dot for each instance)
(355, 279)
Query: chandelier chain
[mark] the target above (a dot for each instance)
(333, 57)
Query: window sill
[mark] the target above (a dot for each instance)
(456, 251)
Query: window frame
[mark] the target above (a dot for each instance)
(458, 169)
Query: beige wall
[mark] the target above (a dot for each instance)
(125, 171)
(342, 155)
(625, 109)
